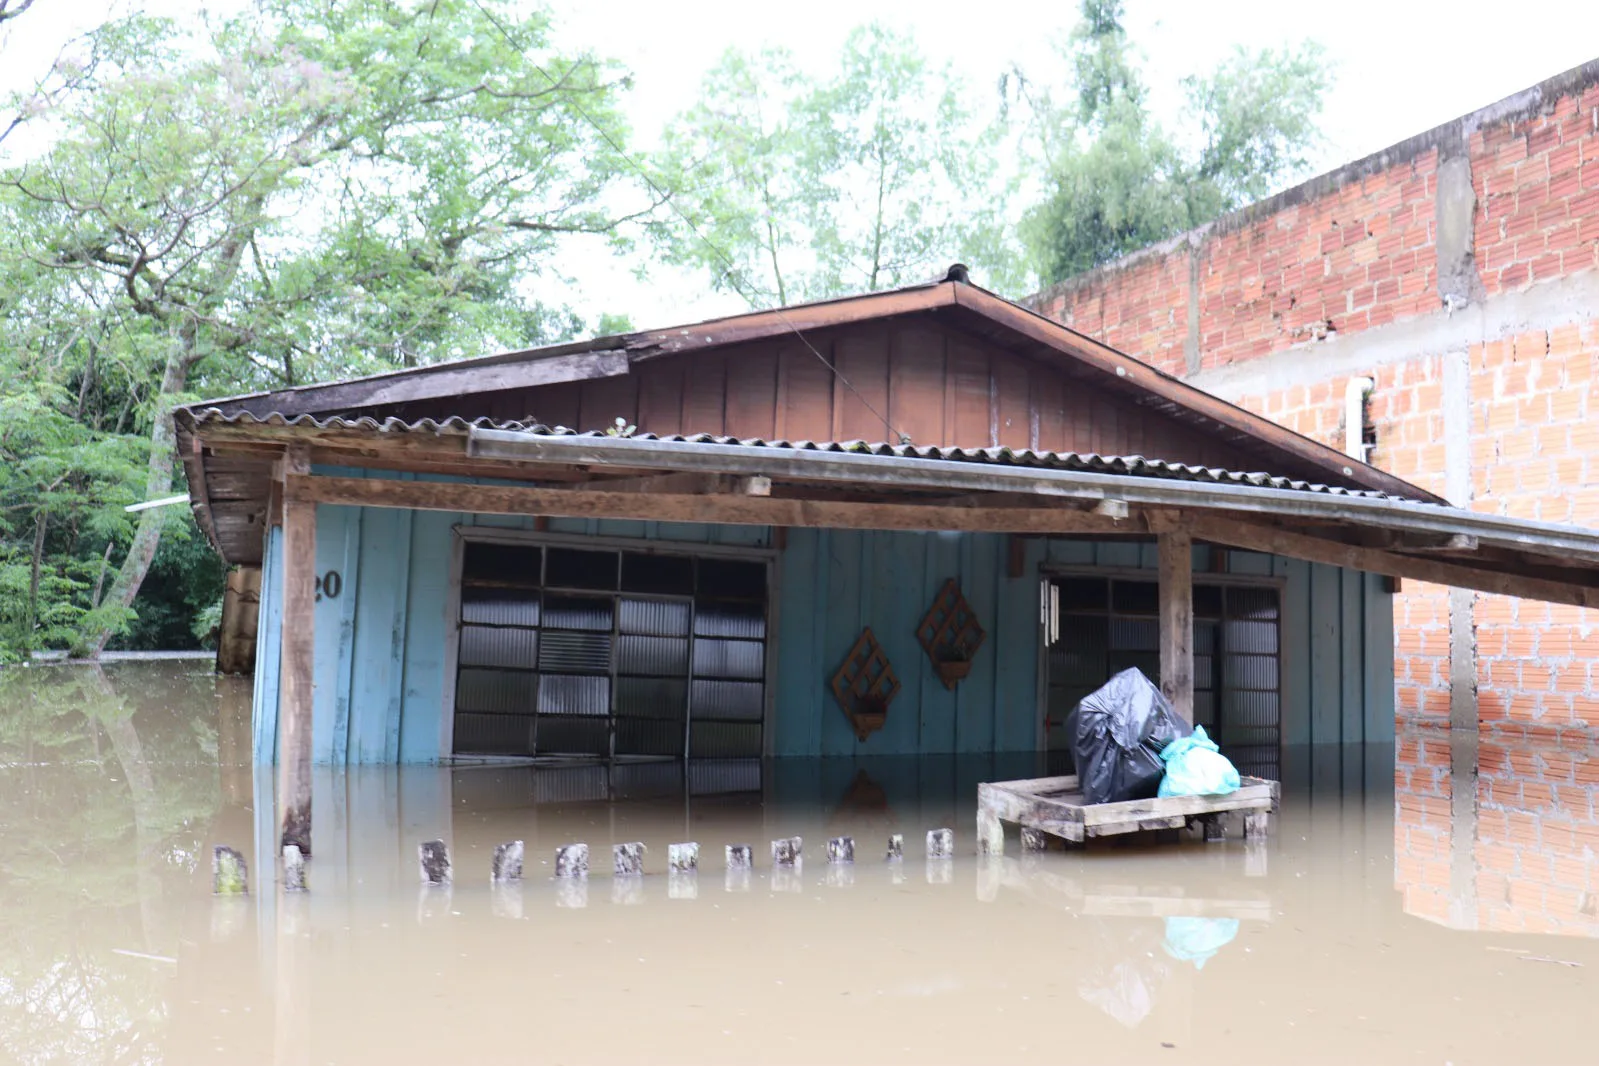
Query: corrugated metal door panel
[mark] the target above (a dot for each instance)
(491, 646)
(494, 734)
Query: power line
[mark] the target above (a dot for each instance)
(665, 197)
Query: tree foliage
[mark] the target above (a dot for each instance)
(1116, 180)
(790, 187)
(314, 190)
(304, 191)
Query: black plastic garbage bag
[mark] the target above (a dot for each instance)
(1117, 733)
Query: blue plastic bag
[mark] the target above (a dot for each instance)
(1196, 767)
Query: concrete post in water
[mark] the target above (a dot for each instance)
(682, 858)
(738, 857)
(896, 847)
(1034, 839)
(841, 849)
(572, 860)
(293, 869)
(507, 862)
(230, 874)
(627, 860)
(434, 859)
(940, 843)
(786, 852)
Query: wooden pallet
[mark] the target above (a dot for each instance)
(1053, 806)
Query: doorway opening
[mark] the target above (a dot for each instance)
(1108, 624)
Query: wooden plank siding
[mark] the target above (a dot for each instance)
(933, 384)
(384, 668)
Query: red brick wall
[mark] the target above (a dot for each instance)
(1355, 251)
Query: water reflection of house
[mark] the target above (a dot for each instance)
(445, 577)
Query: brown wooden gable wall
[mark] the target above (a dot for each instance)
(934, 384)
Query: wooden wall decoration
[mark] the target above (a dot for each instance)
(865, 685)
(950, 634)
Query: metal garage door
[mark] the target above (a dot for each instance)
(575, 651)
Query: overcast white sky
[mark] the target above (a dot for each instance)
(1400, 66)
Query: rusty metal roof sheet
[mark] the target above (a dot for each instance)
(1134, 465)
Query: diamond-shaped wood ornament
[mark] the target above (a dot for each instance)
(950, 634)
(865, 685)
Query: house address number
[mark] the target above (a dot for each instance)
(330, 585)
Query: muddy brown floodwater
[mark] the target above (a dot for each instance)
(1427, 915)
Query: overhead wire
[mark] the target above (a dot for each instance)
(732, 271)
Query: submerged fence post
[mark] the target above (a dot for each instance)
(786, 852)
(572, 860)
(683, 858)
(434, 859)
(940, 843)
(737, 876)
(507, 862)
(896, 847)
(627, 860)
(230, 874)
(841, 849)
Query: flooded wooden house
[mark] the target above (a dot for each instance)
(912, 522)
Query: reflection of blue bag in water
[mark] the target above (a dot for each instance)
(1195, 940)
(1196, 767)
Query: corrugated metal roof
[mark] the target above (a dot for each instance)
(1135, 465)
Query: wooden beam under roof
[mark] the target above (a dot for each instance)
(730, 508)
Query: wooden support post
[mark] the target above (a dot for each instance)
(298, 645)
(1177, 621)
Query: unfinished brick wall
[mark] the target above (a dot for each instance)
(1350, 263)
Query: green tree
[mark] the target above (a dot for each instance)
(1116, 180)
(788, 187)
(304, 191)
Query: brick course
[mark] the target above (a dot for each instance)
(1354, 251)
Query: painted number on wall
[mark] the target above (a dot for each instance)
(330, 585)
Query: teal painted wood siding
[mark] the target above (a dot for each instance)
(383, 644)
(834, 583)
